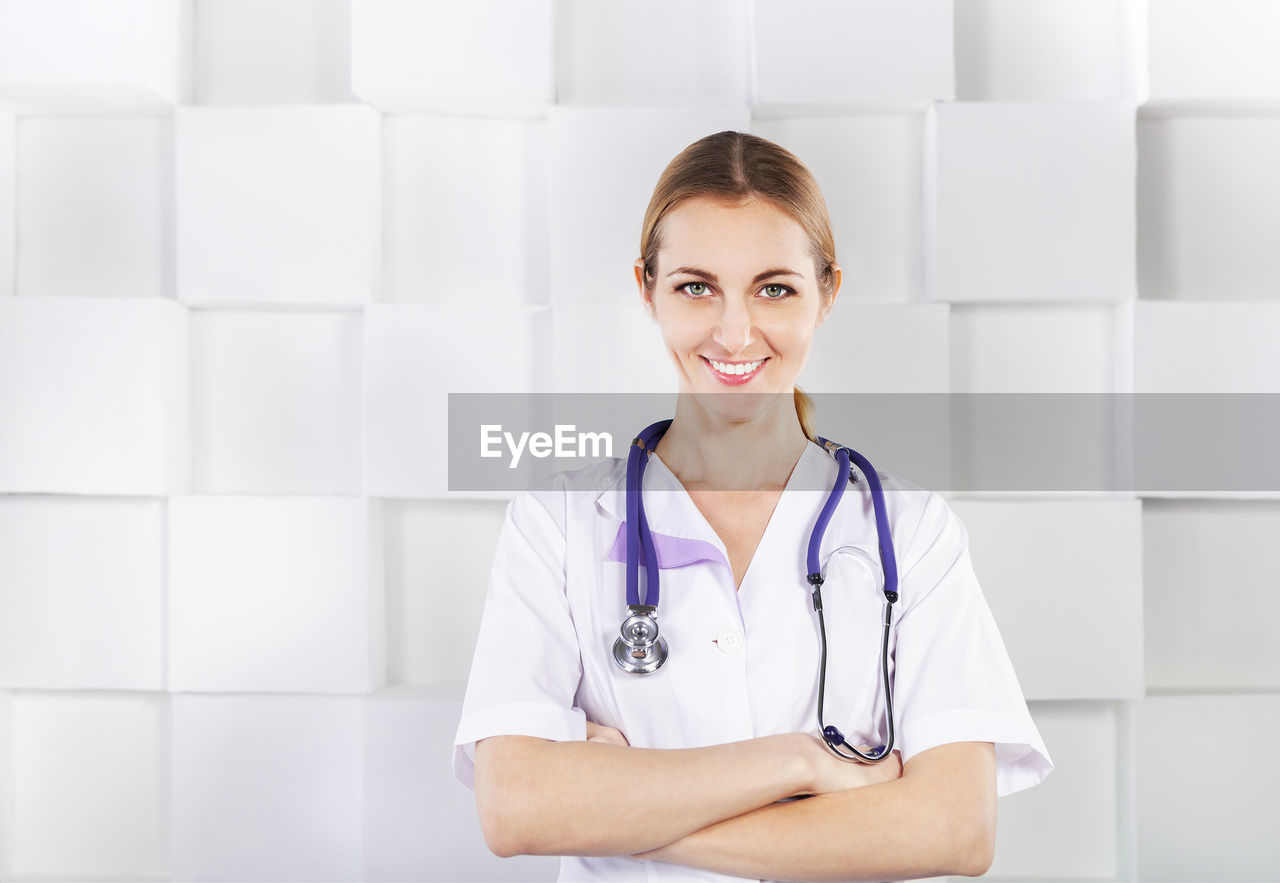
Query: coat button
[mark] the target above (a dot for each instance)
(729, 640)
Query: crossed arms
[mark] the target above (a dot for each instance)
(716, 807)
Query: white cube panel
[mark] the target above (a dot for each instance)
(8, 767)
(879, 348)
(1213, 48)
(1206, 347)
(277, 204)
(610, 348)
(1207, 777)
(620, 53)
(1080, 797)
(438, 555)
(1064, 582)
(90, 619)
(276, 402)
(94, 206)
(612, 157)
(868, 168)
(421, 823)
(94, 395)
(1029, 201)
(8, 200)
(490, 56)
(1043, 50)
(276, 595)
(77, 56)
(272, 52)
(1036, 348)
(266, 787)
(1208, 207)
(853, 50)
(1201, 555)
(89, 775)
(466, 202)
(416, 355)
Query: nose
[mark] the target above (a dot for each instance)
(736, 326)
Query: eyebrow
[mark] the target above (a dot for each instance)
(711, 277)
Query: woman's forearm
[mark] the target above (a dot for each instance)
(938, 821)
(538, 797)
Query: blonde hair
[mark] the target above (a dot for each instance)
(737, 166)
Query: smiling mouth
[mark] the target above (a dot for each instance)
(738, 372)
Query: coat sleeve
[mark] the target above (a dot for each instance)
(527, 665)
(953, 679)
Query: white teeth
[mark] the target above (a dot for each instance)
(744, 368)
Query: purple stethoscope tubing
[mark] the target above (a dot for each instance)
(640, 540)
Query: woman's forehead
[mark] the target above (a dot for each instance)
(724, 239)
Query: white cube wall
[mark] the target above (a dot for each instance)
(237, 288)
(619, 53)
(1208, 207)
(1038, 50)
(277, 204)
(609, 348)
(1029, 201)
(8, 769)
(1038, 348)
(1206, 348)
(1207, 827)
(127, 55)
(1063, 645)
(1235, 644)
(1213, 49)
(272, 52)
(435, 591)
(93, 206)
(93, 396)
(263, 423)
(466, 206)
(410, 352)
(266, 787)
(8, 200)
(820, 51)
(89, 782)
(491, 56)
(879, 348)
(293, 584)
(107, 597)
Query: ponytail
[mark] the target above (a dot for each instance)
(807, 412)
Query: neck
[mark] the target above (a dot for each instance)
(708, 451)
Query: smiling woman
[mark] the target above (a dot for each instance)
(687, 769)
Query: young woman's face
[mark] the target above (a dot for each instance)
(735, 296)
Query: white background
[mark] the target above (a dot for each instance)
(247, 247)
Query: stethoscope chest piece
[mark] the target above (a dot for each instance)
(640, 650)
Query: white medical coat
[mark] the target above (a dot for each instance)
(743, 662)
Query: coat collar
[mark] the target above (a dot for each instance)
(681, 532)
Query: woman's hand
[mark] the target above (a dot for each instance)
(832, 773)
(598, 733)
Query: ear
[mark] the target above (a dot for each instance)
(645, 298)
(828, 303)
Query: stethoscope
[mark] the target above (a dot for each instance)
(641, 650)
